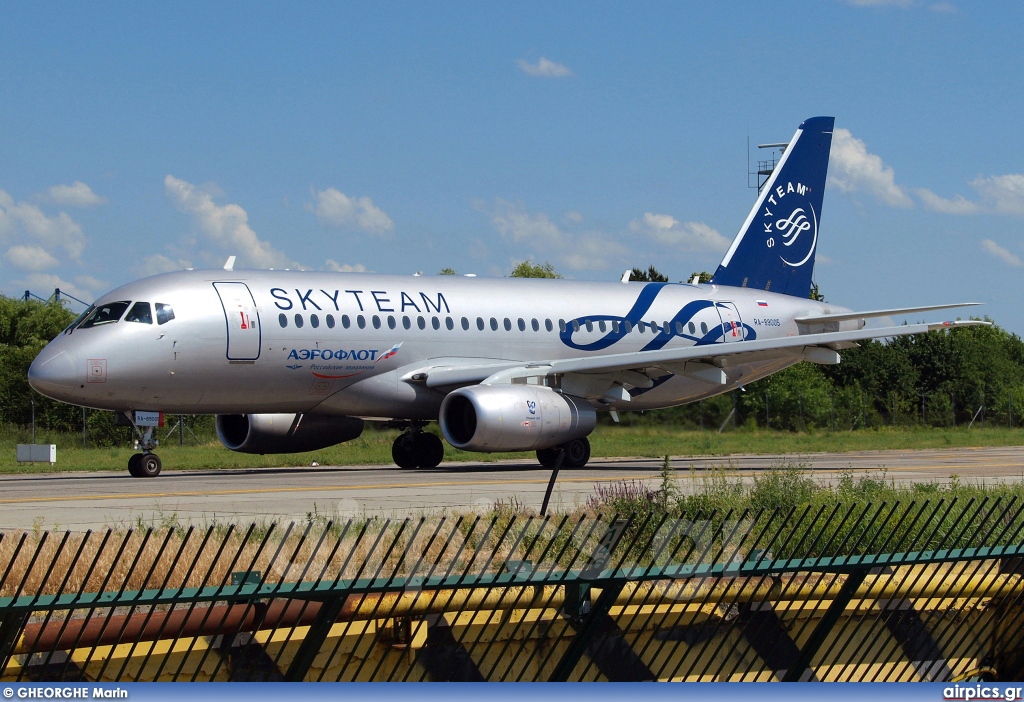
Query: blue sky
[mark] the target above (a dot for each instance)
(406, 137)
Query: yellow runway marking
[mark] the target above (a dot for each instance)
(313, 488)
(520, 481)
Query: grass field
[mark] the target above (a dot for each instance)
(374, 447)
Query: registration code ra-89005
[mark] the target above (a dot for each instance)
(767, 322)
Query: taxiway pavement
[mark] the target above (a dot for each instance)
(81, 501)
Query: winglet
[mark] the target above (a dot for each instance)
(229, 265)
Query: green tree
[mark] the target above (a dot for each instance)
(651, 275)
(702, 277)
(25, 328)
(447, 271)
(526, 269)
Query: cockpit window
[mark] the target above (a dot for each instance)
(105, 314)
(139, 312)
(164, 313)
(79, 318)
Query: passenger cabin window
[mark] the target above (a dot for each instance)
(298, 321)
(164, 313)
(140, 312)
(105, 314)
(282, 319)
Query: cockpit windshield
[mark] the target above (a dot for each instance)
(107, 313)
(140, 312)
(79, 318)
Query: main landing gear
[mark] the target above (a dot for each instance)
(416, 448)
(146, 464)
(577, 453)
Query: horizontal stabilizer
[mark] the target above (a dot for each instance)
(843, 316)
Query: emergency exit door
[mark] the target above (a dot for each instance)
(243, 321)
(732, 325)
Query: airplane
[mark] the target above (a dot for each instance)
(293, 361)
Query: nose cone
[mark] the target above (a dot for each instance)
(54, 373)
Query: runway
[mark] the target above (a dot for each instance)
(81, 501)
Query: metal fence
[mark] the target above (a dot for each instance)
(918, 590)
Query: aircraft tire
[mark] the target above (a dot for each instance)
(403, 451)
(149, 465)
(577, 453)
(548, 457)
(429, 450)
(133, 465)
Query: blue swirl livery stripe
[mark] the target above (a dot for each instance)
(635, 316)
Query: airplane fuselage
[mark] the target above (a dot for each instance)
(346, 344)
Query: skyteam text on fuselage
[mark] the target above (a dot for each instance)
(296, 361)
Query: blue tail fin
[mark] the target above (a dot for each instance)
(775, 247)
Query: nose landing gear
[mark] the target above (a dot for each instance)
(146, 464)
(416, 448)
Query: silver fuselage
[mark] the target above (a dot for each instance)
(361, 336)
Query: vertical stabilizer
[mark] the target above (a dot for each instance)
(775, 247)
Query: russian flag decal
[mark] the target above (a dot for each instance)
(762, 303)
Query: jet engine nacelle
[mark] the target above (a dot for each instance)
(492, 418)
(285, 433)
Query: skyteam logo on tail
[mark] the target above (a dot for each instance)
(796, 233)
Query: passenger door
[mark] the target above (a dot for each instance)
(243, 321)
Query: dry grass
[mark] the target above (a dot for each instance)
(46, 563)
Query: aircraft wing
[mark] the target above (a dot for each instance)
(844, 316)
(820, 348)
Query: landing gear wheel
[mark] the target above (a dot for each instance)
(577, 453)
(429, 450)
(149, 465)
(417, 449)
(548, 457)
(133, 465)
(403, 451)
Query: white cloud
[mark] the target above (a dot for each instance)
(333, 207)
(78, 194)
(514, 223)
(544, 68)
(158, 263)
(333, 265)
(542, 238)
(226, 226)
(593, 253)
(56, 232)
(958, 205)
(691, 236)
(1003, 194)
(30, 258)
(999, 252)
(573, 216)
(853, 169)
